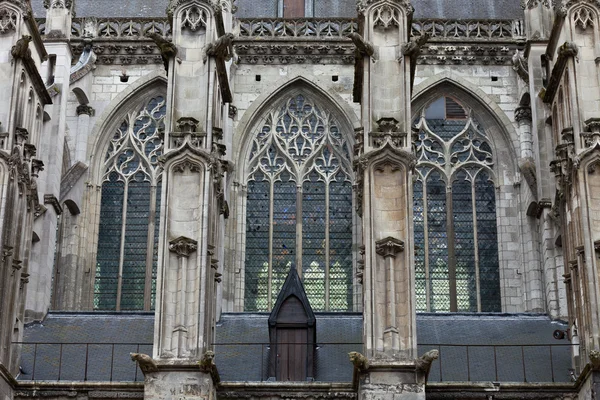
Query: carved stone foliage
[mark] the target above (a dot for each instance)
(118, 28)
(8, 20)
(388, 133)
(295, 53)
(442, 54)
(389, 247)
(529, 4)
(300, 28)
(469, 29)
(58, 3)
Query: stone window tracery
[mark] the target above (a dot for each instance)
(129, 214)
(299, 207)
(457, 267)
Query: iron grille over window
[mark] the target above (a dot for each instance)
(299, 207)
(129, 213)
(455, 213)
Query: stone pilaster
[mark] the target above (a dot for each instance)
(383, 167)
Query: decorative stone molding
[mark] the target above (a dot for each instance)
(362, 5)
(583, 17)
(8, 20)
(187, 124)
(183, 246)
(473, 30)
(389, 247)
(294, 53)
(194, 18)
(388, 133)
(187, 165)
(327, 28)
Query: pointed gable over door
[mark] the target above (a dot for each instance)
(292, 333)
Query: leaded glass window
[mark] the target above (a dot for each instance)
(455, 226)
(129, 212)
(299, 207)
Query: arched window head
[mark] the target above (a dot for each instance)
(455, 227)
(129, 212)
(299, 206)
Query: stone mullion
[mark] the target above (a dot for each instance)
(451, 254)
(327, 246)
(150, 250)
(122, 249)
(426, 245)
(299, 228)
(270, 268)
(476, 246)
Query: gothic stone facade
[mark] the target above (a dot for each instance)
(181, 161)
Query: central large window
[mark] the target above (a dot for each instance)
(299, 207)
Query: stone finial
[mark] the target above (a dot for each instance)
(183, 246)
(389, 247)
(145, 362)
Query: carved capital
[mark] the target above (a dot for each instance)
(85, 109)
(183, 246)
(523, 114)
(389, 247)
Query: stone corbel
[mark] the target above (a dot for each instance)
(388, 134)
(389, 247)
(53, 201)
(187, 133)
(183, 246)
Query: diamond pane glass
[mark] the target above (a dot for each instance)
(419, 232)
(452, 145)
(136, 244)
(487, 239)
(299, 142)
(284, 231)
(313, 240)
(464, 251)
(131, 163)
(340, 244)
(438, 243)
(257, 234)
(109, 244)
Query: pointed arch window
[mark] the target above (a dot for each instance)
(129, 213)
(455, 227)
(299, 206)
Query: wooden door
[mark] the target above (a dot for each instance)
(293, 8)
(291, 354)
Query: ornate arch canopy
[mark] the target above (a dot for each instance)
(299, 203)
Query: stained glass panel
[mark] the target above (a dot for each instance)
(313, 240)
(487, 240)
(300, 143)
(464, 251)
(109, 244)
(136, 244)
(257, 234)
(451, 139)
(340, 244)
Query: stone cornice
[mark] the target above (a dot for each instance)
(567, 50)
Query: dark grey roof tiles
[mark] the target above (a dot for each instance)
(443, 9)
(242, 349)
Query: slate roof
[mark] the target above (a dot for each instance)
(242, 346)
(444, 9)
